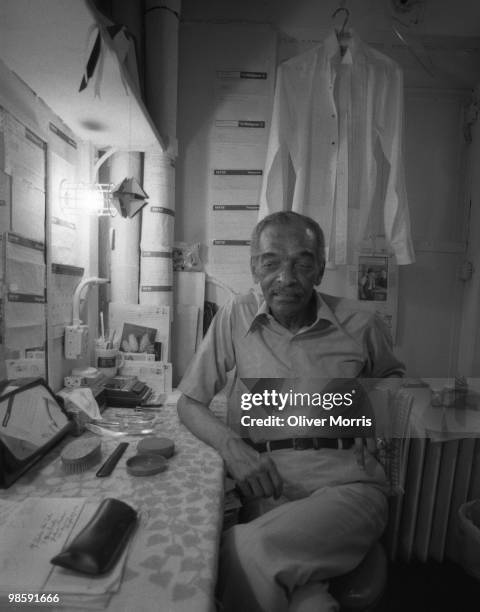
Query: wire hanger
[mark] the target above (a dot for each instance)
(345, 21)
(343, 35)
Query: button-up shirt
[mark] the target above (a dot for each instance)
(330, 113)
(342, 342)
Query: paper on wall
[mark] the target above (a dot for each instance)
(246, 107)
(158, 214)
(157, 227)
(124, 261)
(225, 179)
(24, 266)
(157, 317)
(25, 277)
(239, 131)
(155, 288)
(230, 222)
(156, 295)
(156, 268)
(64, 239)
(24, 152)
(159, 178)
(24, 161)
(124, 283)
(28, 210)
(20, 339)
(24, 249)
(241, 82)
(230, 253)
(64, 221)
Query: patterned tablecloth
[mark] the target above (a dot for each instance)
(172, 561)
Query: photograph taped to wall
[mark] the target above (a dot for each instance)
(137, 338)
(373, 278)
(373, 282)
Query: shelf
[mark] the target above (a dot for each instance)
(45, 43)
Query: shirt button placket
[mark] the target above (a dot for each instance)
(295, 366)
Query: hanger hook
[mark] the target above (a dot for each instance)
(347, 17)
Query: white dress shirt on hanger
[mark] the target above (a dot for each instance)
(331, 112)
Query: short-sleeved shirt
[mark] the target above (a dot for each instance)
(342, 342)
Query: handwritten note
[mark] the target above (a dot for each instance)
(34, 532)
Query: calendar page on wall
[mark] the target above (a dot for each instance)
(22, 213)
(67, 265)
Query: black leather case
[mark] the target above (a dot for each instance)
(97, 548)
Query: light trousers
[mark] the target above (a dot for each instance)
(331, 513)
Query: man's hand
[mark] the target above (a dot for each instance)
(255, 473)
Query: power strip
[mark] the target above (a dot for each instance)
(76, 341)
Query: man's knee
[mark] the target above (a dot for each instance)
(246, 572)
(241, 546)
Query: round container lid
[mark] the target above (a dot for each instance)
(156, 446)
(146, 465)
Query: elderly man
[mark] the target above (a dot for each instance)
(324, 501)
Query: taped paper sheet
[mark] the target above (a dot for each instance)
(24, 152)
(24, 300)
(158, 214)
(64, 222)
(156, 295)
(156, 272)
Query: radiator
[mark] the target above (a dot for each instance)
(439, 477)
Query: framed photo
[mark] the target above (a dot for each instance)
(137, 338)
(373, 278)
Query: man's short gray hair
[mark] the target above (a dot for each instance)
(288, 217)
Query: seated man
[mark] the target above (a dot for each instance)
(325, 504)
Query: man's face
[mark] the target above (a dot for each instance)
(287, 266)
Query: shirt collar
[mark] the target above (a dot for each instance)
(332, 47)
(263, 314)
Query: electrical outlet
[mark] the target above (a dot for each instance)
(76, 341)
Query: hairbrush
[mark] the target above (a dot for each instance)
(80, 455)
